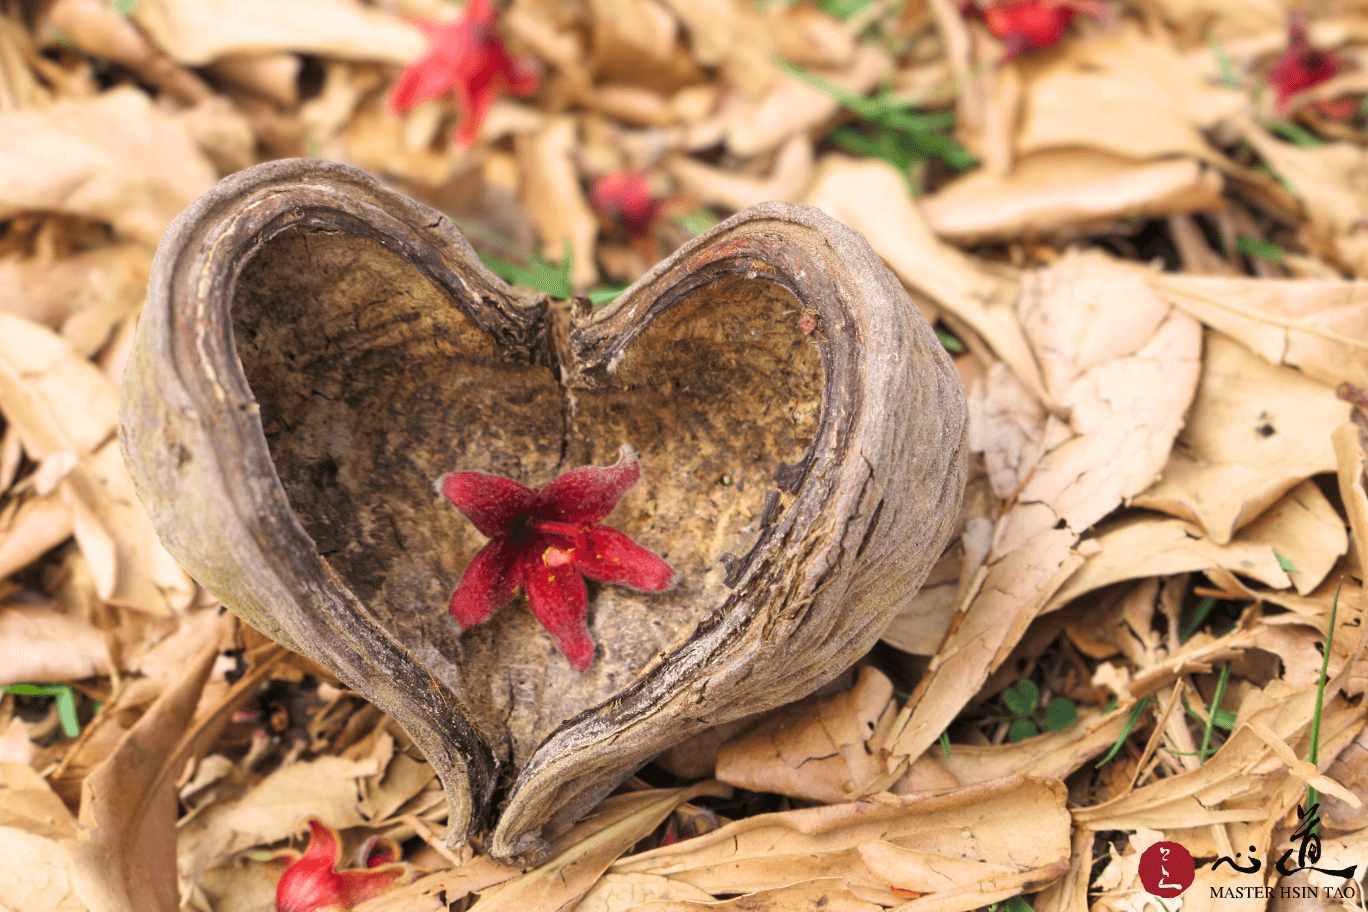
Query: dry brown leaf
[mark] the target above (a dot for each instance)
(793, 106)
(197, 31)
(1254, 432)
(1067, 190)
(1243, 768)
(113, 158)
(57, 400)
(615, 892)
(788, 180)
(1070, 892)
(1052, 755)
(730, 33)
(436, 892)
(102, 32)
(1302, 527)
(274, 75)
(870, 196)
(632, 29)
(960, 847)
(28, 803)
(38, 524)
(88, 290)
(585, 852)
(1319, 327)
(38, 644)
(125, 854)
(1349, 465)
(130, 566)
(1205, 21)
(826, 895)
(809, 36)
(37, 876)
(815, 748)
(555, 200)
(920, 626)
(1350, 768)
(1329, 180)
(325, 787)
(1127, 372)
(1141, 97)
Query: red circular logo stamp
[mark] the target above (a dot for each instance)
(1166, 869)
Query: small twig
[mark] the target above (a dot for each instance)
(424, 833)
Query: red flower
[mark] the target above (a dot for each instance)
(545, 541)
(1301, 66)
(467, 58)
(627, 197)
(1032, 24)
(313, 883)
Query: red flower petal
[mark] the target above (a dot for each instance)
(359, 886)
(557, 596)
(435, 72)
(627, 196)
(614, 558)
(1301, 67)
(587, 495)
(468, 58)
(491, 502)
(491, 580)
(1034, 24)
(312, 884)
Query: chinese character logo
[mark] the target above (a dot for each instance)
(1166, 869)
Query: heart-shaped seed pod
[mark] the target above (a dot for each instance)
(317, 351)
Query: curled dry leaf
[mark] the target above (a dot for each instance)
(965, 847)
(196, 33)
(632, 891)
(1052, 755)
(57, 400)
(1254, 432)
(1349, 467)
(1320, 327)
(102, 32)
(815, 748)
(1067, 190)
(39, 644)
(827, 894)
(793, 106)
(1127, 372)
(1199, 21)
(555, 200)
(39, 523)
(325, 787)
(1329, 180)
(871, 197)
(1136, 547)
(586, 851)
(125, 852)
(1142, 97)
(1245, 785)
(113, 158)
(61, 403)
(787, 180)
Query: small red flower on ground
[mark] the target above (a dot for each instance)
(1032, 24)
(313, 883)
(627, 197)
(1300, 67)
(545, 541)
(467, 58)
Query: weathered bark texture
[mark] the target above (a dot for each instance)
(317, 351)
